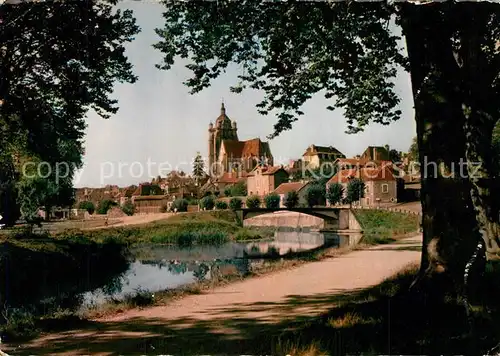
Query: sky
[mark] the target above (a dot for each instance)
(160, 127)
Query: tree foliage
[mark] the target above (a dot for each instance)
(253, 202)
(413, 150)
(272, 201)
(104, 206)
(207, 203)
(394, 155)
(198, 167)
(180, 205)
(128, 208)
(32, 194)
(335, 193)
(355, 190)
(9, 207)
(239, 189)
(220, 205)
(315, 194)
(348, 52)
(291, 199)
(235, 203)
(88, 206)
(58, 61)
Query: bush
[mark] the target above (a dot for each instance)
(141, 298)
(88, 206)
(315, 195)
(104, 206)
(128, 208)
(220, 205)
(227, 192)
(207, 203)
(253, 202)
(291, 199)
(180, 205)
(235, 203)
(272, 201)
(239, 190)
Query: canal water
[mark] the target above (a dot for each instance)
(160, 267)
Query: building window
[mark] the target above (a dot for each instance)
(385, 188)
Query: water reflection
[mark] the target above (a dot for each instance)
(160, 267)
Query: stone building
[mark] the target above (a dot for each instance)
(380, 184)
(226, 153)
(315, 156)
(265, 179)
(376, 153)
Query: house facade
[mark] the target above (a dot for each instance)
(315, 156)
(380, 184)
(284, 188)
(265, 179)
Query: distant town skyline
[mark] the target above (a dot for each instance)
(159, 121)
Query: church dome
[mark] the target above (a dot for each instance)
(223, 121)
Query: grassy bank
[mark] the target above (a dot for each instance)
(194, 227)
(212, 227)
(388, 319)
(382, 226)
(41, 275)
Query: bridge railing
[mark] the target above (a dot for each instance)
(393, 209)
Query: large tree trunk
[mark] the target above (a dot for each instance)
(450, 235)
(480, 112)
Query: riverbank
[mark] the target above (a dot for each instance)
(74, 246)
(39, 275)
(184, 229)
(240, 318)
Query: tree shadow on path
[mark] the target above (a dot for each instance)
(385, 319)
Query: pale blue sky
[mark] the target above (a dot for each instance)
(158, 119)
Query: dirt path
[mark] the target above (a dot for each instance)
(234, 318)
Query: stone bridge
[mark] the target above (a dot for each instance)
(334, 218)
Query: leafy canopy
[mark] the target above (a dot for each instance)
(272, 201)
(253, 202)
(335, 193)
(291, 51)
(291, 199)
(355, 190)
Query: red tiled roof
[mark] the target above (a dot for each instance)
(149, 197)
(362, 162)
(233, 148)
(285, 188)
(245, 149)
(366, 174)
(230, 177)
(266, 170)
(252, 148)
(313, 150)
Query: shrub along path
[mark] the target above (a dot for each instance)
(242, 317)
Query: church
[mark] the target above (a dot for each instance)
(226, 153)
